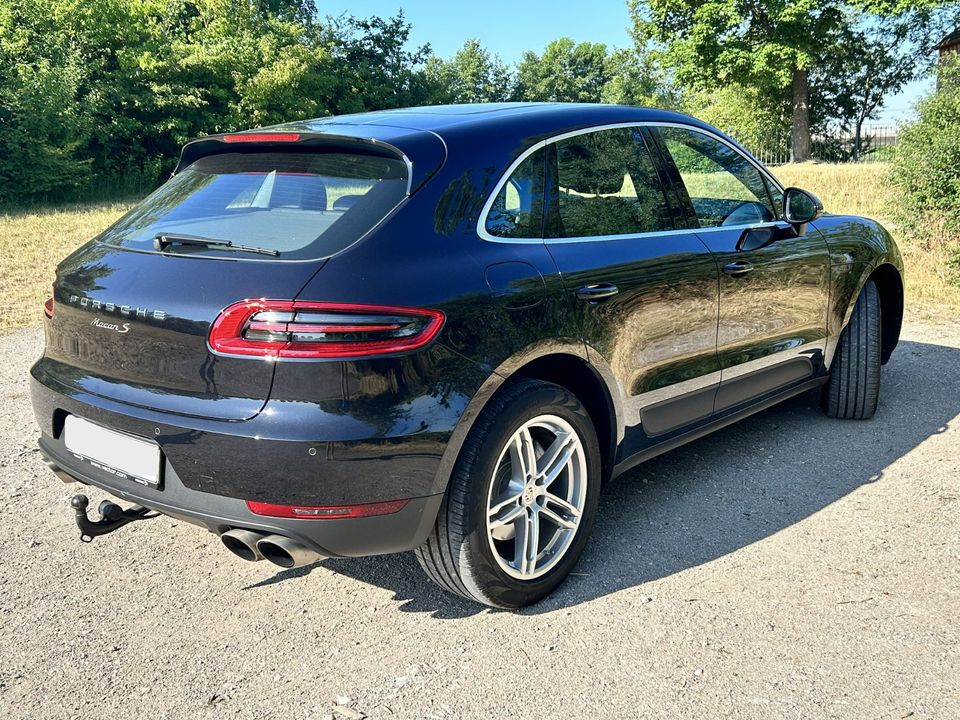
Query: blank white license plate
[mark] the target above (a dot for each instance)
(113, 452)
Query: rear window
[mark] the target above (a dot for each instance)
(304, 205)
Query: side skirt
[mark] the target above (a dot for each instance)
(721, 422)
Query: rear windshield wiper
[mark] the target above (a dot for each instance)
(164, 240)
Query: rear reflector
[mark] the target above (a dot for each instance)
(317, 330)
(261, 137)
(326, 512)
(49, 306)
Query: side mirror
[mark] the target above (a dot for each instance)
(800, 207)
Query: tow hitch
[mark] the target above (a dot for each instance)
(112, 517)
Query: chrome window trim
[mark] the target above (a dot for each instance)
(482, 222)
(504, 179)
(653, 233)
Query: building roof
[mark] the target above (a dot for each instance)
(950, 40)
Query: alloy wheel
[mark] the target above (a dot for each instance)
(537, 497)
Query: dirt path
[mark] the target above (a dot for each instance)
(789, 566)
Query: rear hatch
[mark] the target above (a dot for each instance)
(133, 308)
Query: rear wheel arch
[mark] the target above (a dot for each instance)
(563, 366)
(582, 379)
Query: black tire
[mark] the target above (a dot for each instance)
(457, 554)
(854, 386)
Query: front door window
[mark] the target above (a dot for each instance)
(725, 188)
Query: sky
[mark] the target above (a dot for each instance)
(509, 27)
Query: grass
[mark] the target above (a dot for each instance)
(845, 189)
(33, 241)
(932, 274)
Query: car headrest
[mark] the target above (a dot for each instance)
(300, 191)
(345, 202)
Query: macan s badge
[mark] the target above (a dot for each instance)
(124, 328)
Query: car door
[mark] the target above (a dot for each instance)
(774, 280)
(645, 293)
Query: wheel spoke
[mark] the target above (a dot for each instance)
(557, 520)
(506, 515)
(523, 454)
(528, 538)
(563, 504)
(512, 497)
(555, 459)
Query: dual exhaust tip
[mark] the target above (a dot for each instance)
(253, 546)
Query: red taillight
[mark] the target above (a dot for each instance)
(326, 512)
(304, 330)
(49, 305)
(261, 137)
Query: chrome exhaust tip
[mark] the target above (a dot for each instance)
(243, 543)
(285, 552)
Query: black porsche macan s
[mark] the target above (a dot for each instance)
(442, 329)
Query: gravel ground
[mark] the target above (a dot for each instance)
(789, 566)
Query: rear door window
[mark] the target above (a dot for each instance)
(304, 205)
(606, 185)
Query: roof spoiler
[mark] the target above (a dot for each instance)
(423, 153)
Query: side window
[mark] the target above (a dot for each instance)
(606, 184)
(517, 211)
(724, 187)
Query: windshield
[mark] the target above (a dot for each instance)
(304, 205)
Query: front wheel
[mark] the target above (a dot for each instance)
(854, 387)
(521, 501)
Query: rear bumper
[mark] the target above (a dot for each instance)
(403, 530)
(210, 468)
(300, 453)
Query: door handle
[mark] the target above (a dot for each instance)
(738, 268)
(595, 293)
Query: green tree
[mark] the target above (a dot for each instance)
(374, 69)
(633, 77)
(134, 80)
(747, 114)
(774, 46)
(565, 72)
(870, 61)
(95, 90)
(42, 129)
(472, 75)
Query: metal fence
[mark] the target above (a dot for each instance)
(878, 143)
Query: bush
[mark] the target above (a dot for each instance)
(926, 168)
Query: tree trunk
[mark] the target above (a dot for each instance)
(800, 140)
(858, 140)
